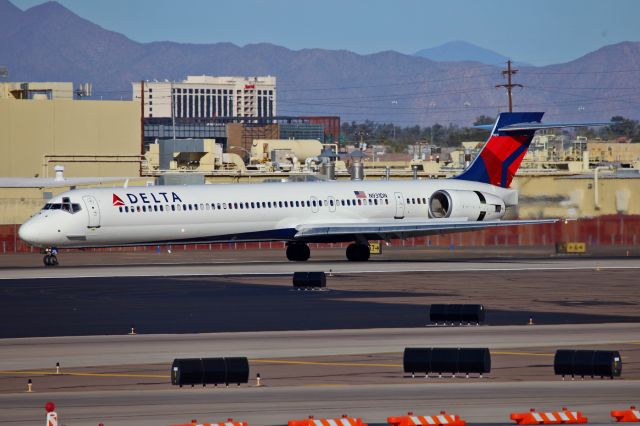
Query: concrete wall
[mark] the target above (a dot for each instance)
(35, 135)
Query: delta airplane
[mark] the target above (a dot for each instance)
(296, 213)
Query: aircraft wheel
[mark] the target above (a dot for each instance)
(298, 252)
(358, 252)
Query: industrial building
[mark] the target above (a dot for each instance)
(89, 138)
(208, 97)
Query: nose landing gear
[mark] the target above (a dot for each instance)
(50, 258)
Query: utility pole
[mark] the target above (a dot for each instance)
(509, 72)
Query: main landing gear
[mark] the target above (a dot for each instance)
(50, 258)
(358, 252)
(298, 252)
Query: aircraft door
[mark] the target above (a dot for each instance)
(93, 211)
(332, 203)
(315, 205)
(399, 206)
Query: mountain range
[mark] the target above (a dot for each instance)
(455, 51)
(50, 43)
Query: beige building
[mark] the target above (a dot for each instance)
(207, 97)
(89, 138)
(614, 152)
(36, 90)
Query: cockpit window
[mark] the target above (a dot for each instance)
(66, 206)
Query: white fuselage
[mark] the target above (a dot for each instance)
(238, 212)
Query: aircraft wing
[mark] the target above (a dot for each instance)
(390, 229)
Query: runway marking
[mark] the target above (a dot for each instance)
(365, 364)
(333, 364)
(49, 373)
(519, 353)
(337, 271)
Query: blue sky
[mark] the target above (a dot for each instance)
(535, 31)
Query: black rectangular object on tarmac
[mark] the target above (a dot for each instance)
(214, 371)
(447, 360)
(237, 370)
(570, 362)
(186, 371)
(209, 371)
(309, 279)
(456, 313)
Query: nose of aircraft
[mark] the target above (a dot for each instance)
(31, 232)
(27, 232)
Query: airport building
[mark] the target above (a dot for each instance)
(208, 97)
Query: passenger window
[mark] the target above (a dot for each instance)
(264, 204)
(138, 208)
(191, 207)
(126, 209)
(246, 205)
(386, 201)
(308, 203)
(253, 205)
(235, 206)
(241, 206)
(269, 204)
(286, 204)
(224, 206)
(120, 208)
(314, 203)
(280, 204)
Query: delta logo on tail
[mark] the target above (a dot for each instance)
(117, 201)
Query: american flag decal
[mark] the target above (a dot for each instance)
(360, 194)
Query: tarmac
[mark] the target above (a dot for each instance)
(322, 353)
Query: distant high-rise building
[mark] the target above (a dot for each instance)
(209, 97)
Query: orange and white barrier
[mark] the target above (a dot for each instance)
(549, 418)
(229, 422)
(52, 416)
(343, 421)
(630, 415)
(437, 420)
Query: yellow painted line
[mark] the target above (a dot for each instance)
(519, 353)
(49, 373)
(333, 364)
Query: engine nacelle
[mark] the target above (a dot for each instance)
(474, 205)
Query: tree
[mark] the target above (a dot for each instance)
(623, 127)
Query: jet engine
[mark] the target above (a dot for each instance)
(473, 205)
